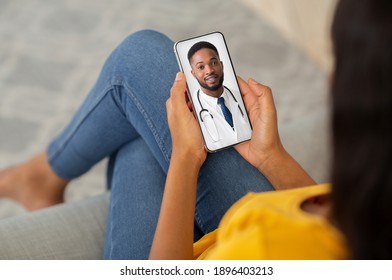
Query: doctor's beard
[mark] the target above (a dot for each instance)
(213, 88)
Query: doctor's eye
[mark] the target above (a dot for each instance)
(201, 67)
(214, 62)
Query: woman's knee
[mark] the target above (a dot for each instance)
(147, 44)
(146, 53)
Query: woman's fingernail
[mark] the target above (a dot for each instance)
(178, 76)
(252, 81)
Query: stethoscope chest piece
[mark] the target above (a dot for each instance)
(209, 124)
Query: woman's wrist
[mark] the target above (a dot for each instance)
(187, 159)
(284, 172)
(273, 158)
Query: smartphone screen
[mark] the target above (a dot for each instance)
(213, 90)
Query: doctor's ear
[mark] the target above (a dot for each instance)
(193, 73)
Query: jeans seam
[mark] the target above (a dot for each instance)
(199, 221)
(148, 120)
(64, 143)
(109, 232)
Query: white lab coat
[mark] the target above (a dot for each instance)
(216, 131)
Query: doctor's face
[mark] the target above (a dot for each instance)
(208, 71)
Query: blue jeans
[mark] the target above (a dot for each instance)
(124, 117)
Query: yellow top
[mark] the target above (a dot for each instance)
(273, 226)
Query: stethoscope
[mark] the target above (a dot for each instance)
(207, 118)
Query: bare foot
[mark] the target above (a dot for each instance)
(33, 184)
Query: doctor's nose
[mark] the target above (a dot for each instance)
(208, 69)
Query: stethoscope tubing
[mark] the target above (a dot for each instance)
(205, 110)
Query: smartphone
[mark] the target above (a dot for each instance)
(213, 90)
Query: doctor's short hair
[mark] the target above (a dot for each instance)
(201, 45)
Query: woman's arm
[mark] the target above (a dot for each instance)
(174, 233)
(265, 150)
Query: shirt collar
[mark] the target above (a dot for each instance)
(211, 99)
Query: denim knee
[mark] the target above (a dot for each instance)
(142, 53)
(145, 35)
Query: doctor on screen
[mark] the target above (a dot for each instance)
(223, 118)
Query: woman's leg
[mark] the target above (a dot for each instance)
(137, 184)
(127, 101)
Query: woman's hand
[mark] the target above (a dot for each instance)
(184, 129)
(265, 150)
(265, 141)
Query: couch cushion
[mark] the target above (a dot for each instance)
(68, 231)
